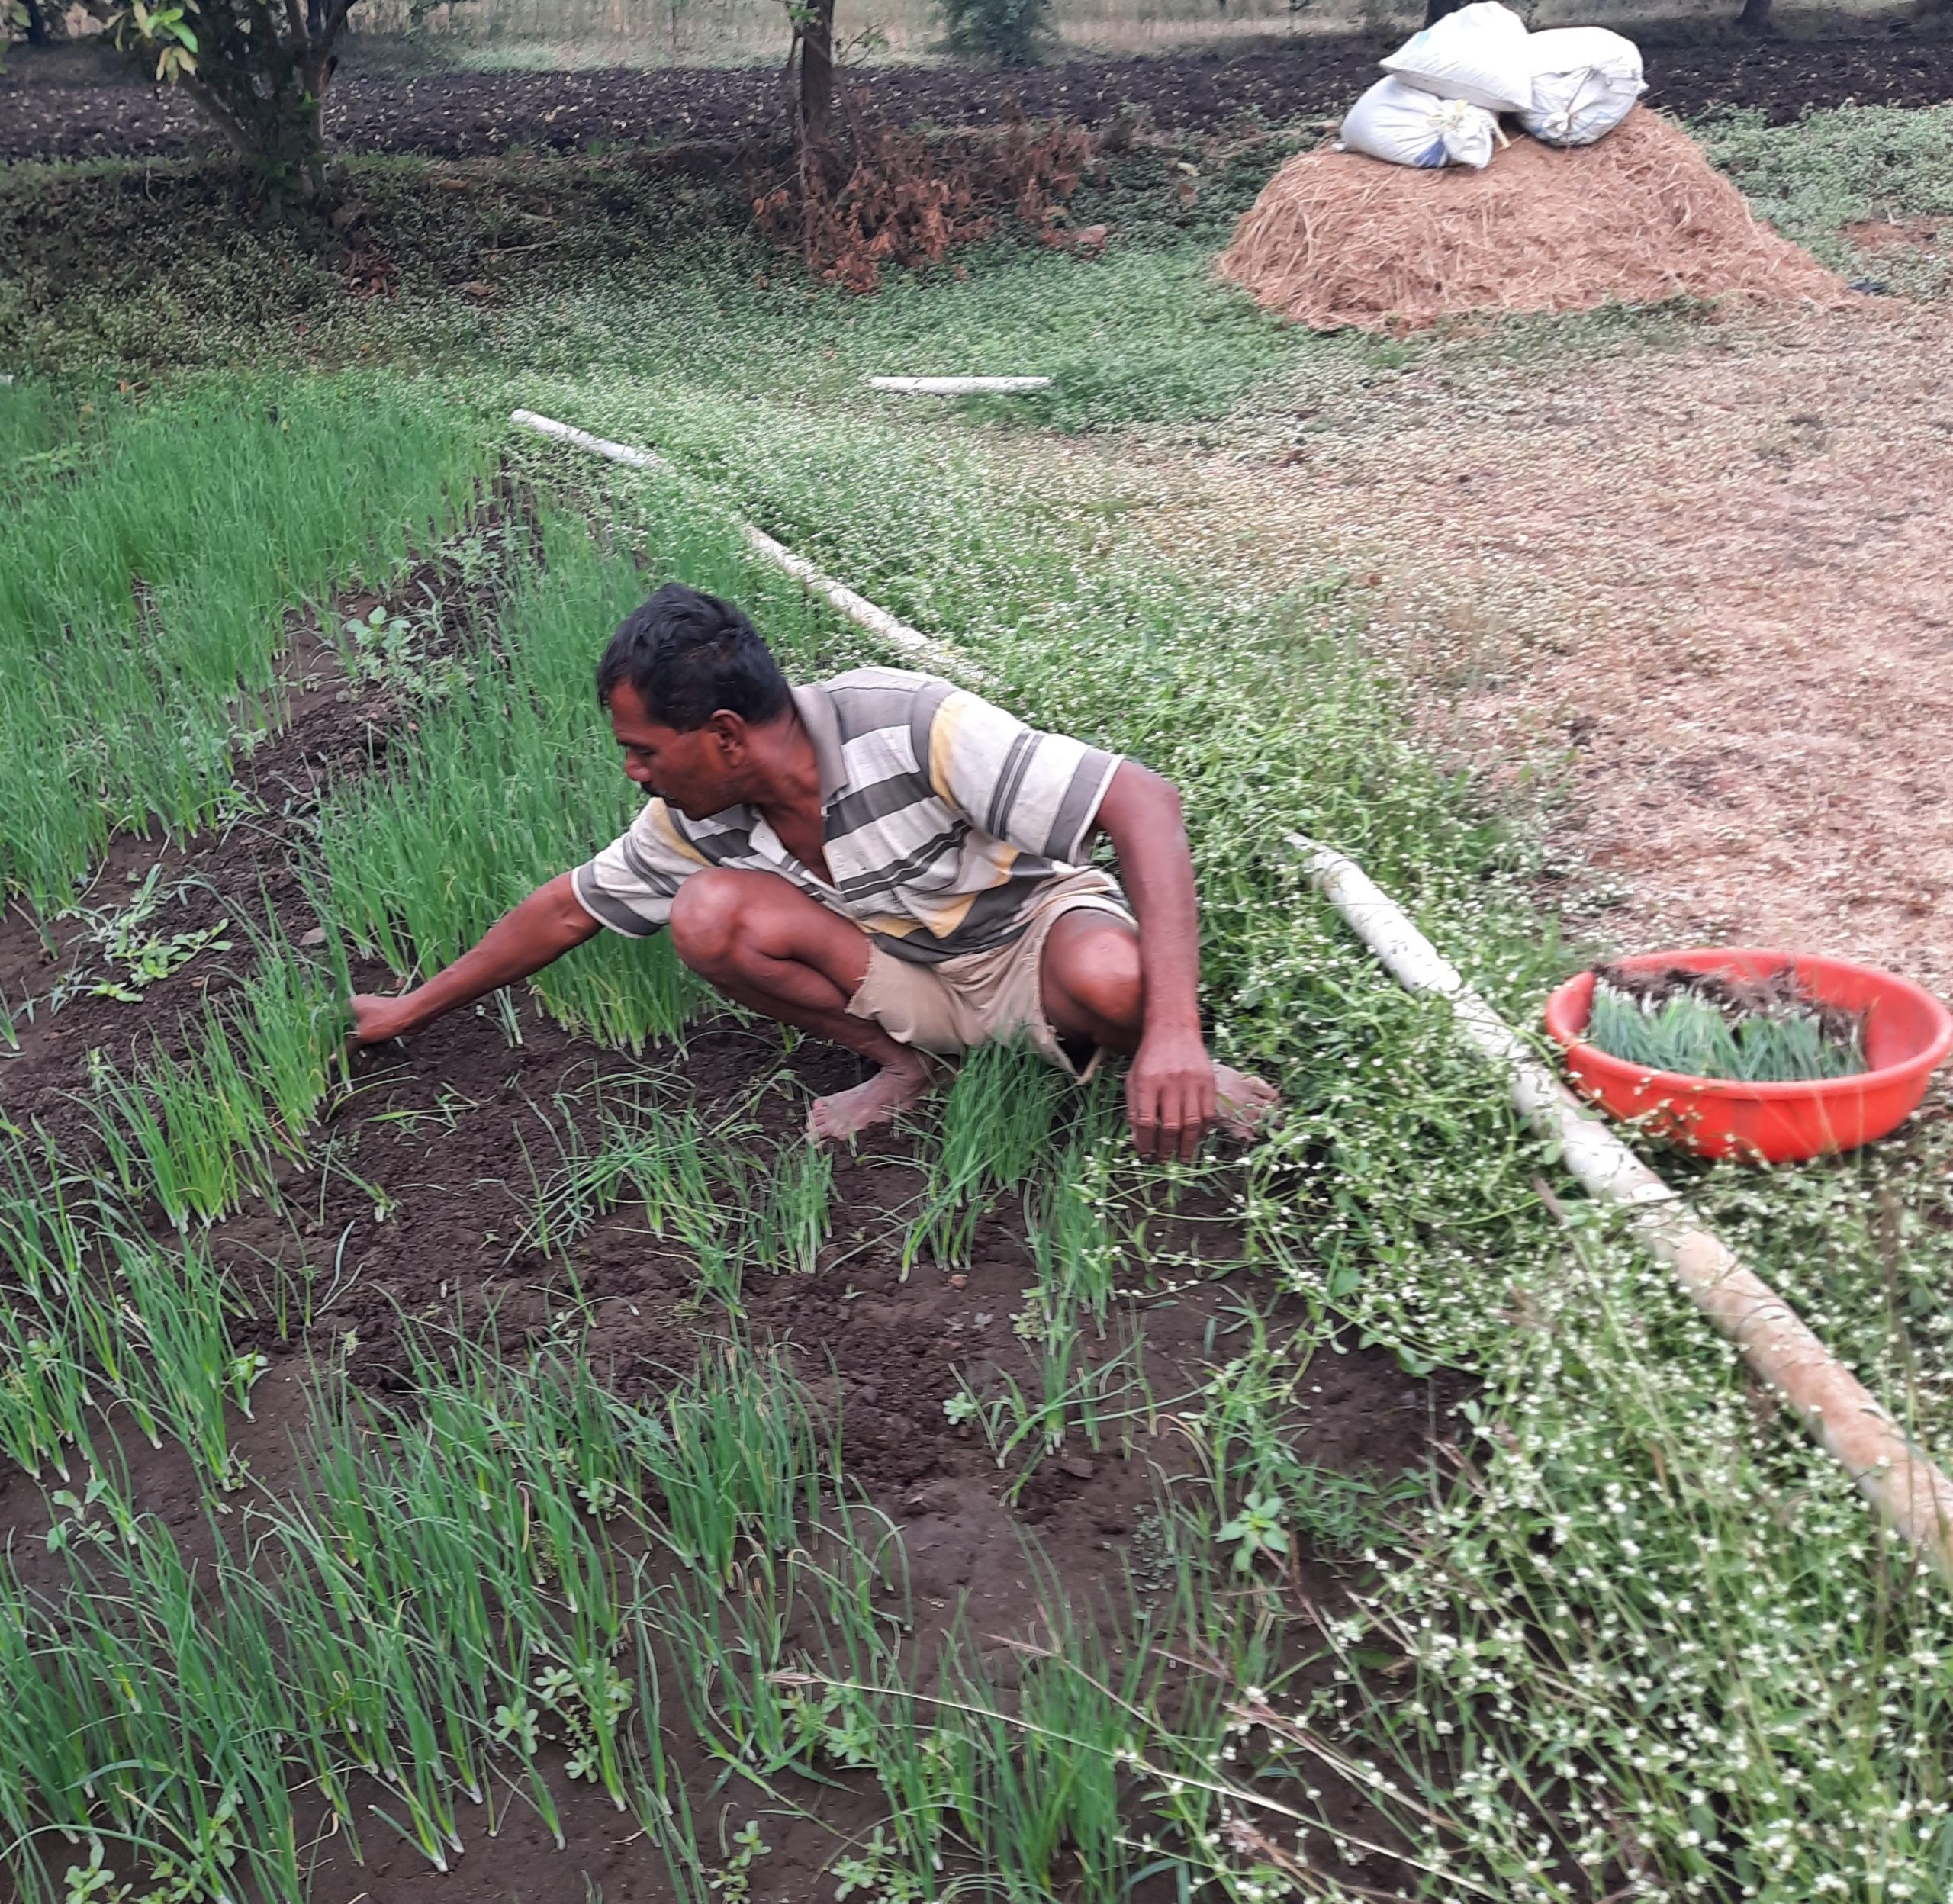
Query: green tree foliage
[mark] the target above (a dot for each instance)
(257, 73)
(1014, 32)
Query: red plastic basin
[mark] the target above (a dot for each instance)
(1908, 1032)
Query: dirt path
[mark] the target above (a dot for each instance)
(1710, 586)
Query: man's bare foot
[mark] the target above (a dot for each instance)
(893, 1089)
(1242, 1103)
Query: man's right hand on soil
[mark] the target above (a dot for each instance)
(375, 1019)
(536, 933)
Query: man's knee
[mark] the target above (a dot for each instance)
(1097, 965)
(709, 916)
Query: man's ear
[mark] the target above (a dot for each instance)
(728, 733)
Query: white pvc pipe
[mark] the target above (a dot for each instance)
(939, 656)
(1914, 1498)
(583, 439)
(959, 386)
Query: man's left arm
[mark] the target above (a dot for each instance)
(1170, 1088)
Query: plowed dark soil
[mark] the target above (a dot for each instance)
(63, 106)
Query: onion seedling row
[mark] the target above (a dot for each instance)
(158, 564)
(461, 1590)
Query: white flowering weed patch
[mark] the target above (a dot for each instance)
(1868, 188)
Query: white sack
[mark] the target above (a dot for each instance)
(1479, 54)
(1407, 126)
(1585, 81)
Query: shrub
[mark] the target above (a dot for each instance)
(1014, 32)
(907, 198)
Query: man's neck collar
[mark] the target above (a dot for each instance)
(823, 726)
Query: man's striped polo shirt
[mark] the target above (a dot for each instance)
(943, 815)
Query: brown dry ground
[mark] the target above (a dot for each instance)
(1707, 589)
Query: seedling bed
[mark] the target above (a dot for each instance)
(1836, 1033)
(887, 1353)
(244, 872)
(436, 1204)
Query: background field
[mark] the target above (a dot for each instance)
(604, 32)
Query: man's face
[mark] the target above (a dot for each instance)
(695, 772)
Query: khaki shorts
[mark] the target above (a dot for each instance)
(948, 1007)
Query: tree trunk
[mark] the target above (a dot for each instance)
(1755, 16)
(281, 136)
(817, 76)
(261, 78)
(267, 94)
(37, 33)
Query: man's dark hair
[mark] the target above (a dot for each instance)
(688, 655)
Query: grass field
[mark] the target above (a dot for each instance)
(429, 1472)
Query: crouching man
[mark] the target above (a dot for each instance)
(885, 860)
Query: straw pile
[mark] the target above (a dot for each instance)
(1337, 240)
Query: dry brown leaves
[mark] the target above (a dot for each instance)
(899, 197)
